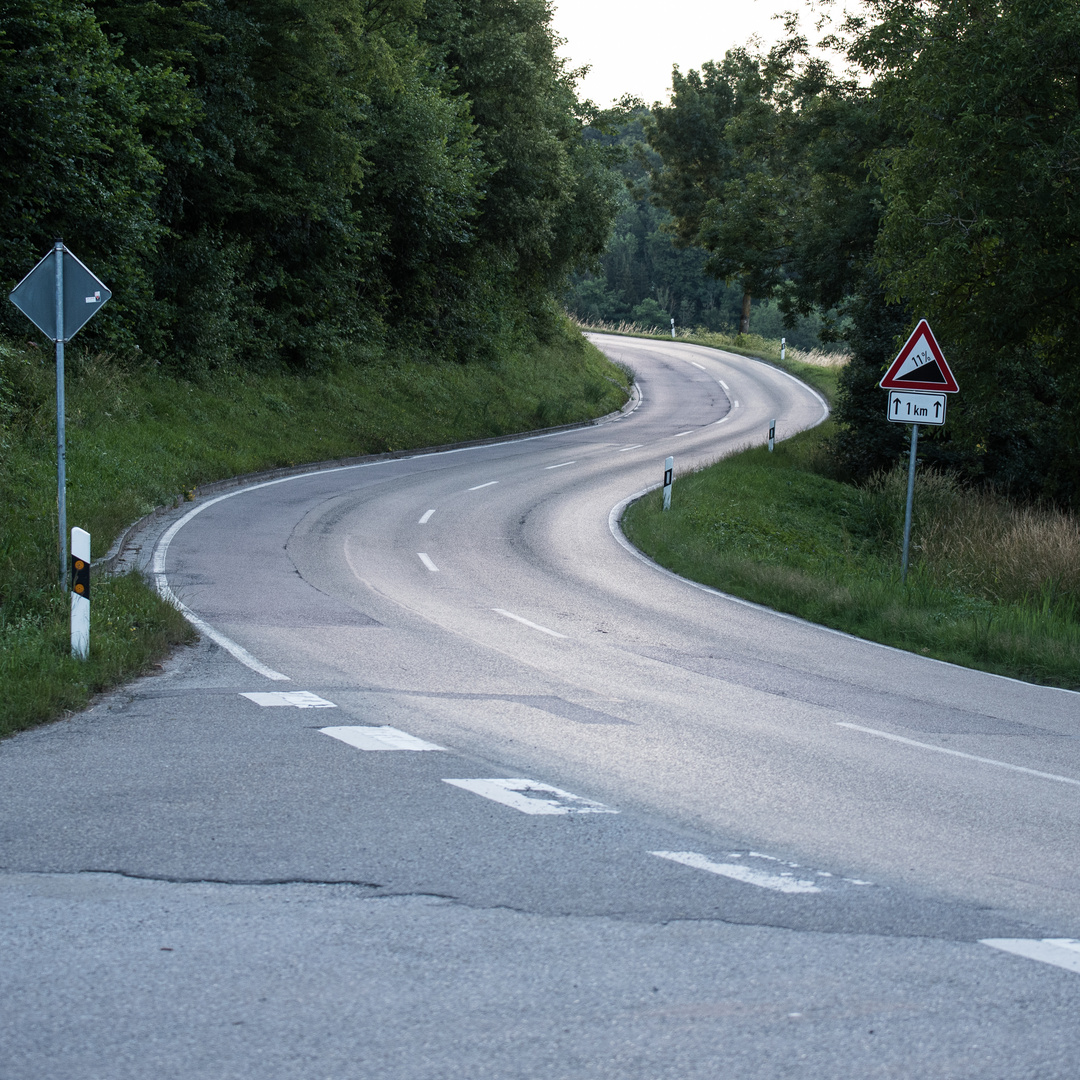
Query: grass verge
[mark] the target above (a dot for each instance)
(773, 528)
(138, 440)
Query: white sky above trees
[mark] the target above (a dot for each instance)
(632, 45)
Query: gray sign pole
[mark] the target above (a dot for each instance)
(910, 500)
(61, 452)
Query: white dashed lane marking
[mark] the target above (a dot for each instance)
(561, 465)
(777, 875)
(682, 433)
(298, 699)
(425, 558)
(1061, 952)
(528, 622)
(697, 365)
(379, 738)
(426, 517)
(479, 486)
(960, 754)
(724, 384)
(634, 447)
(531, 797)
(784, 882)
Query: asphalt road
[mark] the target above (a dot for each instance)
(530, 806)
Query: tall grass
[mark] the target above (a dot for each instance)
(983, 542)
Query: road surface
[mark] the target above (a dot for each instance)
(457, 784)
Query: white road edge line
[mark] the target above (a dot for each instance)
(960, 754)
(561, 465)
(426, 517)
(1061, 952)
(616, 512)
(479, 486)
(747, 875)
(425, 558)
(526, 622)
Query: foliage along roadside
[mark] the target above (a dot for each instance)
(269, 185)
(138, 439)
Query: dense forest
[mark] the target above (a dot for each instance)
(273, 183)
(937, 176)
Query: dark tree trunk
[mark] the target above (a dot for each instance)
(744, 322)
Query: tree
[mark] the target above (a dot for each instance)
(74, 163)
(982, 203)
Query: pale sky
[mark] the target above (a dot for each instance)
(632, 45)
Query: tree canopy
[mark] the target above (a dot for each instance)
(270, 182)
(938, 180)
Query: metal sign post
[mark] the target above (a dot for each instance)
(61, 449)
(59, 296)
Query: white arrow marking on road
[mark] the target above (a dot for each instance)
(479, 486)
(298, 699)
(785, 883)
(515, 793)
(1061, 952)
(526, 622)
(960, 754)
(426, 517)
(426, 560)
(379, 738)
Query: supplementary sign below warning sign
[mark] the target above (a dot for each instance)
(905, 408)
(920, 366)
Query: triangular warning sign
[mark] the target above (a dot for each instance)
(920, 365)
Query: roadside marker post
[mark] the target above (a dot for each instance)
(672, 327)
(783, 349)
(917, 381)
(59, 296)
(669, 474)
(772, 435)
(80, 593)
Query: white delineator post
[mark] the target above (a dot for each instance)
(669, 473)
(80, 593)
(772, 435)
(783, 349)
(672, 327)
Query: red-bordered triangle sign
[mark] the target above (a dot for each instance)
(920, 365)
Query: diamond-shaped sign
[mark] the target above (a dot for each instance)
(920, 365)
(83, 295)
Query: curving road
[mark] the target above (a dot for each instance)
(623, 826)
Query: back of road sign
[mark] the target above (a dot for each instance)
(35, 295)
(920, 365)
